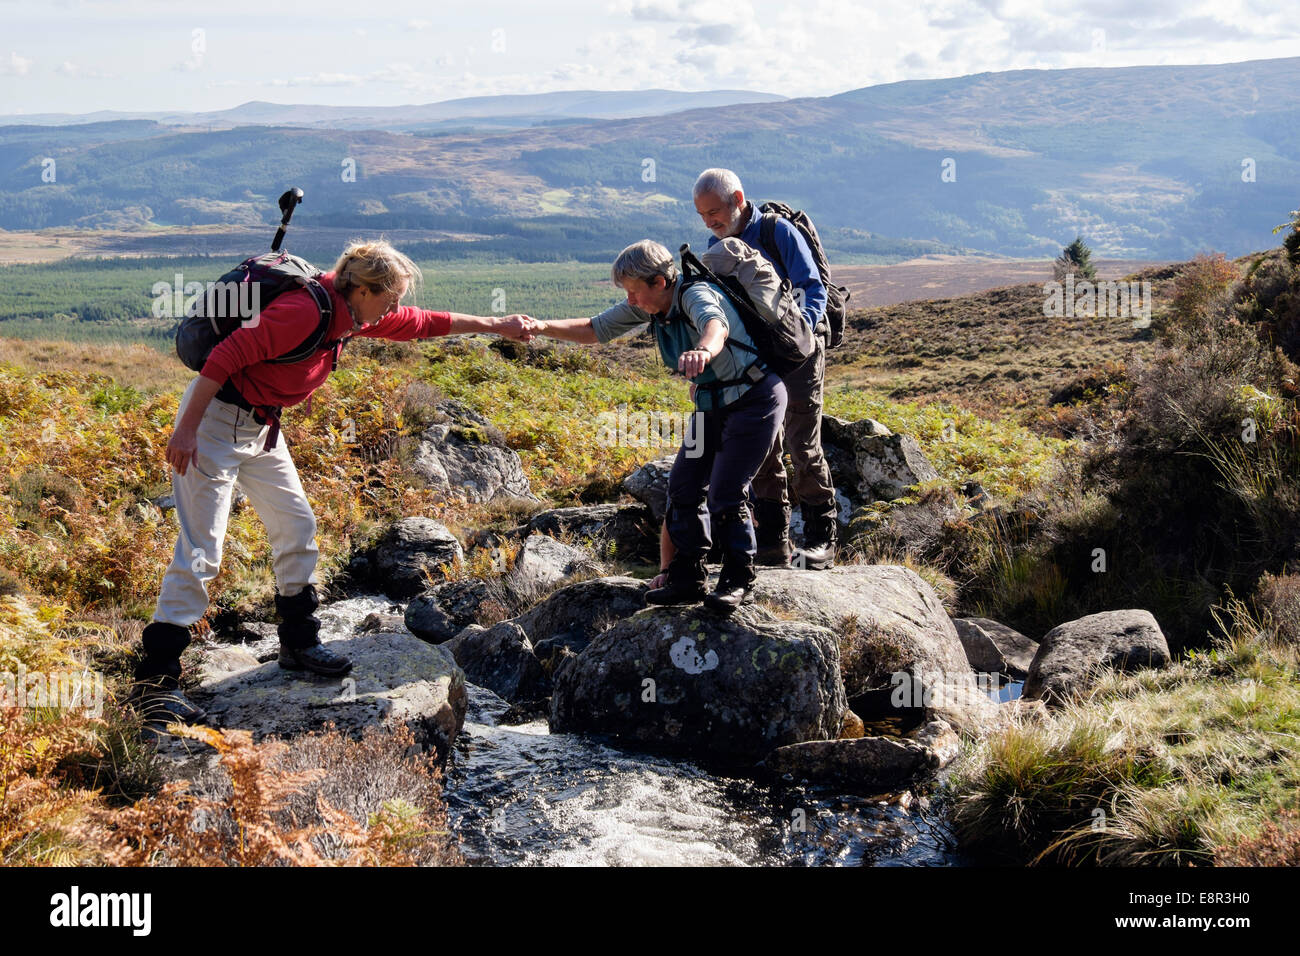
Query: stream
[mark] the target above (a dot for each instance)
(521, 795)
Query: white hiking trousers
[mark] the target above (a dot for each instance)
(229, 448)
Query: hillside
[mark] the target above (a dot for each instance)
(1146, 161)
(991, 351)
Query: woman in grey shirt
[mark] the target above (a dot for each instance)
(739, 407)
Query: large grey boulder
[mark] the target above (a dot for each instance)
(868, 764)
(465, 456)
(887, 466)
(840, 439)
(543, 562)
(614, 531)
(395, 679)
(443, 611)
(900, 650)
(648, 484)
(569, 618)
(411, 548)
(1072, 654)
(729, 689)
(994, 648)
(501, 659)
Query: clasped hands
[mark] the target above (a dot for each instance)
(520, 328)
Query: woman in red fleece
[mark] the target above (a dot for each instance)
(227, 429)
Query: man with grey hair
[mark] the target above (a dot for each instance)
(720, 201)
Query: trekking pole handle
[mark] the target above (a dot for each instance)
(288, 202)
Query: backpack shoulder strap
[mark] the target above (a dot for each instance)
(767, 239)
(725, 292)
(317, 340)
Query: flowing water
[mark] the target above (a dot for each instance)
(523, 795)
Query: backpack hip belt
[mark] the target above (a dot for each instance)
(263, 413)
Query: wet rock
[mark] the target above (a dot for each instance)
(443, 611)
(395, 678)
(867, 764)
(1072, 654)
(852, 726)
(573, 615)
(684, 680)
(260, 639)
(994, 648)
(375, 622)
(412, 547)
(501, 659)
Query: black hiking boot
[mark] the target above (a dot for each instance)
(818, 552)
(735, 587)
(159, 702)
(156, 694)
(772, 532)
(300, 647)
(685, 584)
(318, 659)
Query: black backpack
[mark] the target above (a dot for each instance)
(837, 296)
(238, 298)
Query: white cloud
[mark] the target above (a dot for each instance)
(404, 49)
(15, 65)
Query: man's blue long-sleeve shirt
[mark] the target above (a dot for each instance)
(798, 264)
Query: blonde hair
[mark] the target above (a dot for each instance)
(376, 265)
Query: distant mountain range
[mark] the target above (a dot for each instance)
(476, 111)
(1154, 162)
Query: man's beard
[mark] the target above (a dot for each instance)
(732, 228)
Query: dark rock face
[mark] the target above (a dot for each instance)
(501, 659)
(1071, 654)
(995, 648)
(868, 764)
(683, 680)
(649, 485)
(411, 547)
(627, 532)
(592, 606)
(442, 612)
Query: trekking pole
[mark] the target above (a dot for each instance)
(288, 202)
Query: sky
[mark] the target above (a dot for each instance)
(79, 56)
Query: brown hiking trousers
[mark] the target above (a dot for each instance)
(802, 436)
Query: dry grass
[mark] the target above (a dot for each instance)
(134, 366)
(327, 801)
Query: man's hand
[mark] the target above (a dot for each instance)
(181, 448)
(515, 327)
(692, 363)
